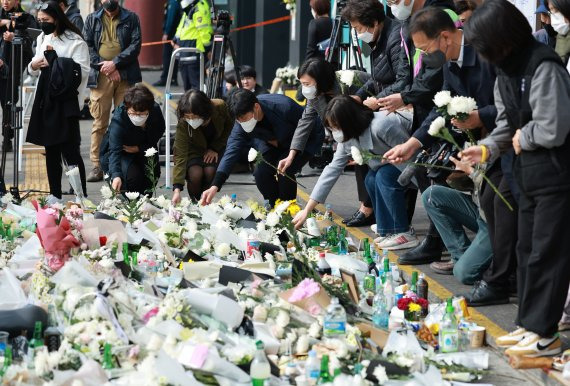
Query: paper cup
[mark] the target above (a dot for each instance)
(477, 336)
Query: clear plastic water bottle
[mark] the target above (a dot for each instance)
(260, 371)
(328, 212)
(381, 314)
(448, 330)
(312, 368)
(388, 286)
(335, 320)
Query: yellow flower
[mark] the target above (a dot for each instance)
(413, 307)
(186, 334)
(293, 208)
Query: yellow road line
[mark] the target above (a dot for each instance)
(156, 91)
(437, 289)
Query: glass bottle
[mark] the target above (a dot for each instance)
(36, 342)
(381, 315)
(52, 335)
(108, 357)
(323, 268)
(342, 243)
(414, 283)
(324, 376)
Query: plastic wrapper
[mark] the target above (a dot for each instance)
(13, 296)
(219, 307)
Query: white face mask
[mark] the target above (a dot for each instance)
(338, 135)
(138, 120)
(313, 13)
(366, 36)
(402, 11)
(248, 126)
(195, 123)
(559, 24)
(309, 92)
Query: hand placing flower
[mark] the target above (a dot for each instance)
(462, 165)
(516, 142)
(472, 121)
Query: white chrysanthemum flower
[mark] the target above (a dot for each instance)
(436, 126)
(106, 192)
(282, 319)
(315, 330)
(132, 195)
(302, 345)
(150, 152)
(272, 219)
(222, 249)
(442, 98)
(380, 374)
(7, 198)
(260, 313)
(461, 105)
(356, 155)
(252, 155)
(346, 77)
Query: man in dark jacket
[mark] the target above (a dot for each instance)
(266, 123)
(464, 74)
(172, 16)
(249, 81)
(113, 35)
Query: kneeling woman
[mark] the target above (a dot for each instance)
(353, 124)
(201, 135)
(137, 125)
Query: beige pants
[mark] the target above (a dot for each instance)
(106, 95)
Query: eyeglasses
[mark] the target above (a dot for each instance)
(425, 52)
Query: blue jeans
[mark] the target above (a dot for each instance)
(451, 211)
(388, 199)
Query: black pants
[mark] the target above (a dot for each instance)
(54, 153)
(423, 183)
(281, 187)
(190, 75)
(167, 50)
(137, 179)
(360, 172)
(6, 113)
(502, 224)
(543, 251)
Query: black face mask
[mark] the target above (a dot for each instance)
(111, 5)
(434, 59)
(47, 27)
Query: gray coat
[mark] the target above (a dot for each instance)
(385, 132)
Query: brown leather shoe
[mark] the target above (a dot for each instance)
(443, 267)
(95, 175)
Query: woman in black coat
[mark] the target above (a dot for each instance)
(135, 128)
(320, 28)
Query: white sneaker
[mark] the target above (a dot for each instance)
(535, 346)
(380, 239)
(373, 228)
(512, 338)
(399, 241)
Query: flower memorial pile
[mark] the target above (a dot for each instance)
(141, 292)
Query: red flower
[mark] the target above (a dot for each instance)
(403, 303)
(102, 240)
(422, 302)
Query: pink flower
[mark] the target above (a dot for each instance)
(56, 261)
(305, 289)
(134, 352)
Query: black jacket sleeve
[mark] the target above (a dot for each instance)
(312, 42)
(89, 36)
(424, 87)
(131, 53)
(403, 76)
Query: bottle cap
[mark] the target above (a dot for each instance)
(322, 255)
(259, 345)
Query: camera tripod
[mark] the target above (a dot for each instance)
(222, 41)
(14, 124)
(344, 52)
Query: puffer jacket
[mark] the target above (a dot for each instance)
(385, 60)
(129, 34)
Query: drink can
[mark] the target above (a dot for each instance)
(370, 283)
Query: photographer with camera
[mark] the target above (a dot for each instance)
(13, 22)
(194, 30)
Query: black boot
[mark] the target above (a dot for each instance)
(429, 250)
(484, 294)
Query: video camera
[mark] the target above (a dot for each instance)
(223, 22)
(340, 4)
(19, 24)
